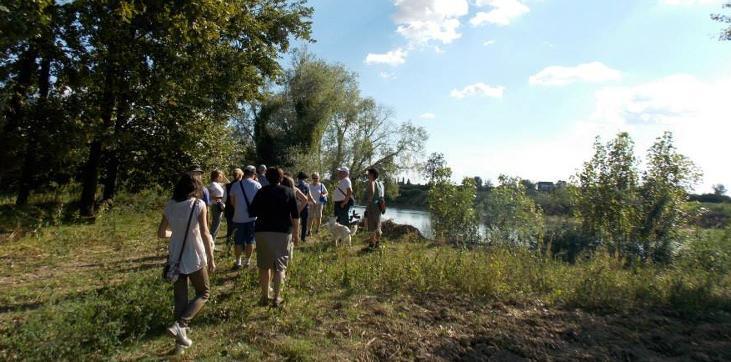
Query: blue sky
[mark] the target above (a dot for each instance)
(522, 87)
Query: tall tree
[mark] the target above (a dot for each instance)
(607, 201)
(666, 183)
(193, 61)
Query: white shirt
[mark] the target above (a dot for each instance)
(316, 191)
(343, 185)
(194, 255)
(217, 190)
(241, 209)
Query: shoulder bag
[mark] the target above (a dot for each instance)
(171, 271)
(351, 201)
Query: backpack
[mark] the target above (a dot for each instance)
(381, 198)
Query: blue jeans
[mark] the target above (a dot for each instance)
(342, 213)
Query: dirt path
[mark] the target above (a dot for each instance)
(453, 328)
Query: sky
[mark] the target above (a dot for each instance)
(523, 87)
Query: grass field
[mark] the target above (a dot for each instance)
(72, 290)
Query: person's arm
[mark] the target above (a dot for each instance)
(294, 217)
(162, 230)
(302, 198)
(312, 200)
(296, 231)
(348, 195)
(207, 239)
(372, 189)
(231, 196)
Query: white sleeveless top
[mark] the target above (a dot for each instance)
(194, 256)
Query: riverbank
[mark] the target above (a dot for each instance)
(68, 292)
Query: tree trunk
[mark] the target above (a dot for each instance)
(110, 184)
(15, 112)
(38, 122)
(91, 169)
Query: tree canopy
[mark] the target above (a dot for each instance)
(142, 88)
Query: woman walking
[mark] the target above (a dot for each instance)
(318, 192)
(236, 175)
(217, 192)
(277, 228)
(190, 245)
(374, 190)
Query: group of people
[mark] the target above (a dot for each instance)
(266, 209)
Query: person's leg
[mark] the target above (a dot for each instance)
(200, 282)
(180, 291)
(216, 221)
(303, 223)
(310, 223)
(278, 280)
(264, 281)
(341, 214)
(248, 231)
(239, 243)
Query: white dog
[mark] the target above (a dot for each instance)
(341, 232)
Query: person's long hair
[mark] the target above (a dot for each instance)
(188, 186)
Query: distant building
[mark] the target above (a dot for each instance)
(545, 186)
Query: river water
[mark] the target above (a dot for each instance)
(416, 218)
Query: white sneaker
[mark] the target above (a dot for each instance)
(180, 349)
(179, 333)
(247, 263)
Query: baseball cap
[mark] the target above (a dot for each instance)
(344, 169)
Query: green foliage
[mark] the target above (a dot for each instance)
(138, 90)
(725, 33)
(606, 195)
(451, 207)
(317, 121)
(664, 189)
(511, 216)
(635, 218)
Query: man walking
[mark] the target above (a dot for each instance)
(343, 197)
(242, 194)
(305, 189)
(261, 176)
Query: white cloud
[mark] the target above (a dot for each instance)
(502, 12)
(479, 89)
(594, 72)
(423, 21)
(393, 57)
(692, 109)
(489, 42)
(691, 2)
(387, 75)
(438, 50)
(428, 115)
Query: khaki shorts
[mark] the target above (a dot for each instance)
(273, 250)
(316, 210)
